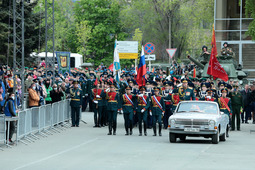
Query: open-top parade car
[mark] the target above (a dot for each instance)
(198, 118)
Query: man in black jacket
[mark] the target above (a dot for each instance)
(252, 98)
(246, 93)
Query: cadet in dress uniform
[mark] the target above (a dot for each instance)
(175, 99)
(127, 102)
(97, 105)
(90, 83)
(237, 102)
(221, 85)
(76, 103)
(185, 92)
(209, 96)
(84, 95)
(112, 99)
(202, 93)
(143, 104)
(167, 93)
(158, 109)
(225, 104)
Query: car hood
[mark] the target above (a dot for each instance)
(194, 116)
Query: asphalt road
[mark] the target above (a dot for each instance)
(90, 148)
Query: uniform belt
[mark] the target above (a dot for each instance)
(76, 99)
(167, 100)
(223, 108)
(141, 104)
(155, 106)
(97, 98)
(128, 105)
(112, 101)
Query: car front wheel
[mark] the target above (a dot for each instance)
(172, 137)
(215, 138)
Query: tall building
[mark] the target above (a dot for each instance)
(231, 26)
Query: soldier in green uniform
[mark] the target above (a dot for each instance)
(237, 102)
(112, 99)
(226, 50)
(84, 94)
(186, 92)
(90, 83)
(127, 102)
(76, 103)
(143, 104)
(157, 109)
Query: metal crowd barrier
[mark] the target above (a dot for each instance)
(42, 121)
(2, 130)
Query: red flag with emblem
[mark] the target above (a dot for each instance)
(214, 68)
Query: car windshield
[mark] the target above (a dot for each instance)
(201, 107)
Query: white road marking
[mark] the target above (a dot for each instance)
(55, 155)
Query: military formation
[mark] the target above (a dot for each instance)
(150, 106)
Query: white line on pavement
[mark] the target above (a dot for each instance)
(55, 155)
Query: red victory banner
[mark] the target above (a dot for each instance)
(214, 68)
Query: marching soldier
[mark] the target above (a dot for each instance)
(209, 96)
(128, 105)
(90, 83)
(237, 102)
(76, 103)
(202, 93)
(84, 94)
(175, 99)
(158, 109)
(112, 107)
(185, 92)
(143, 104)
(97, 104)
(167, 93)
(225, 104)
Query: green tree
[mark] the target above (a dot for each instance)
(250, 12)
(191, 22)
(83, 32)
(102, 17)
(31, 24)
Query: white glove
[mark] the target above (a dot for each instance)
(86, 95)
(209, 97)
(95, 101)
(121, 111)
(140, 95)
(163, 113)
(107, 90)
(97, 96)
(151, 113)
(142, 110)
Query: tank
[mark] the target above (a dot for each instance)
(229, 64)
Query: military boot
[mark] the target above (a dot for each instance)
(140, 129)
(159, 130)
(155, 131)
(110, 129)
(145, 129)
(127, 133)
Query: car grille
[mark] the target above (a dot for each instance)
(192, 122)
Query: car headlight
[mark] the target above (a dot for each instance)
(172, 122)
(211, 123)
